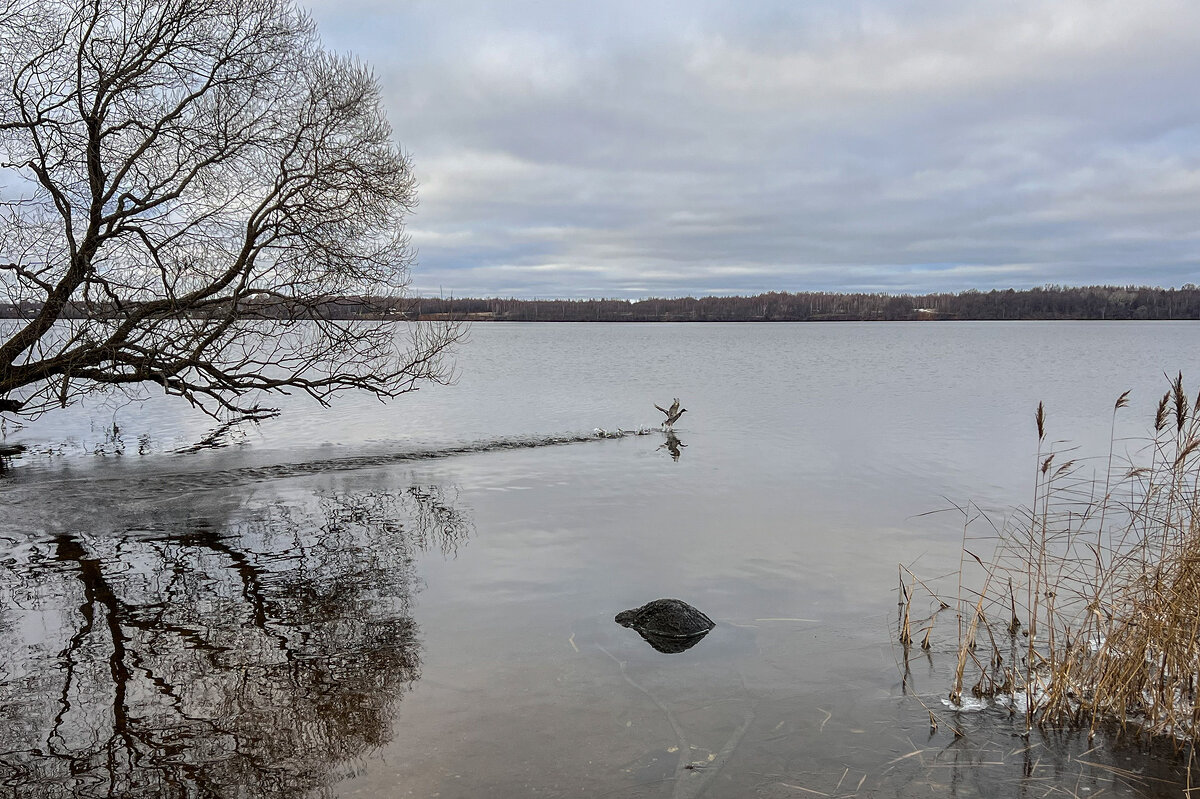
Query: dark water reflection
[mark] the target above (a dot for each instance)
(668, 645)
(250, 652)
(673, 445)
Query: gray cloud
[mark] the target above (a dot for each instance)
(690, 147)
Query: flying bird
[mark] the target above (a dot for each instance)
(673, 413)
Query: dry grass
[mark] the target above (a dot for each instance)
(1088, 609)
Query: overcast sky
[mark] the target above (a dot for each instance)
(628, 149)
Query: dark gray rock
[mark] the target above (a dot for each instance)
(668, 625)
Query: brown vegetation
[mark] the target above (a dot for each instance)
(1088, 610)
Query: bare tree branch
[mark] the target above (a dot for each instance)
(191, 184)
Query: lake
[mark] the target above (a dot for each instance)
(417, 598)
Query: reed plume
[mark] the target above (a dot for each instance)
(1090, 601)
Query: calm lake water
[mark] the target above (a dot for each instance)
(352, 602)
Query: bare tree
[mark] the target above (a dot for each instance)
(189, 187)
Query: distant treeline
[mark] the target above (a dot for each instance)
(1048, 302)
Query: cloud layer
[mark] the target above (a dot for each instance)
(672, 148)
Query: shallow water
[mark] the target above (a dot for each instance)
(417, 599)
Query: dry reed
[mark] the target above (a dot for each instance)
(1088, 610)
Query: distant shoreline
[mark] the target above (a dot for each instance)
(1049, 303)
(1087, 303)
(486, 318)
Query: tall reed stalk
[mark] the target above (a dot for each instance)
(1090, 602)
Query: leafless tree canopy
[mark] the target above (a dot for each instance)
(187, 184)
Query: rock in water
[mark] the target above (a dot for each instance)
(668, 625)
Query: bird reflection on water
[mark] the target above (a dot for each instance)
(673, 445)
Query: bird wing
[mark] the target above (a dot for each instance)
(661, 408)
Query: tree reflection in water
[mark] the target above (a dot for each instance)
(256, 655)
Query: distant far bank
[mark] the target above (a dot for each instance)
(1048, 302)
